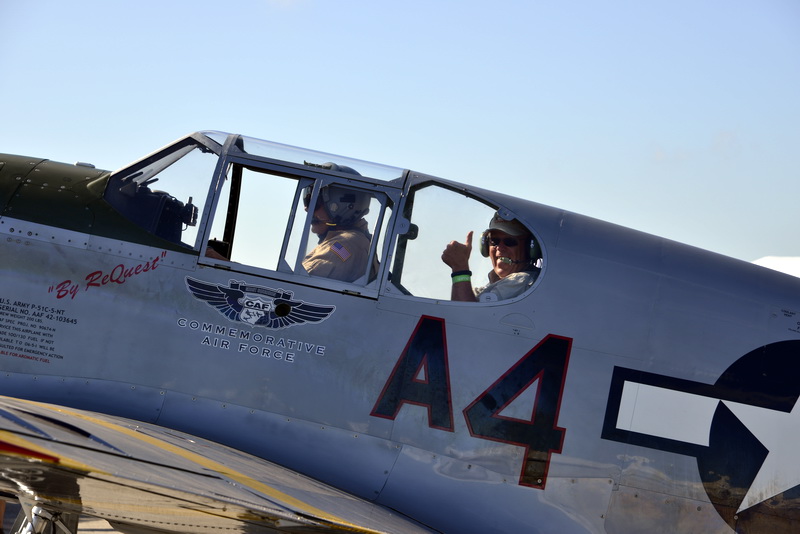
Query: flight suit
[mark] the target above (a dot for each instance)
(341, 255)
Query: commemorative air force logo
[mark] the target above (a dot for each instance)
(258, 305)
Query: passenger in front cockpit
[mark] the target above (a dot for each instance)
(344, 239)
(513, 253)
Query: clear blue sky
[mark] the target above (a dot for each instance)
(679, 118)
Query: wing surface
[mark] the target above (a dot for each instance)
(144, 478)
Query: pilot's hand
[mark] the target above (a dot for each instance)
(456, 254)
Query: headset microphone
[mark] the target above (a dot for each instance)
(504, 259)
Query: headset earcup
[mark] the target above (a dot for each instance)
(532, 250)
(485, 244)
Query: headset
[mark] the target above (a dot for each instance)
(343, 205)
(533, 248)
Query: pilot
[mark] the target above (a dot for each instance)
(344, 238)
(515, 264)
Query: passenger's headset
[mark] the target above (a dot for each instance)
(532, 247)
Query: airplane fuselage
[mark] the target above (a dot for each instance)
(622, 393)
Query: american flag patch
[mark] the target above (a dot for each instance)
(340, 251)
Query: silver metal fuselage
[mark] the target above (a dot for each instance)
(107, 324)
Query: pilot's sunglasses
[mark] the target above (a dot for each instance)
(507, 241)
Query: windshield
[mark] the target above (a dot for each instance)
(165, 192)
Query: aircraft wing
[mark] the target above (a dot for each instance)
(144, 478)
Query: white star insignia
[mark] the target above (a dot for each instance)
(687, 418)
(779, 432)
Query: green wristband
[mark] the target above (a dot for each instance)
(461, 278)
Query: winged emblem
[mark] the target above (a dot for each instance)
(258, 305)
